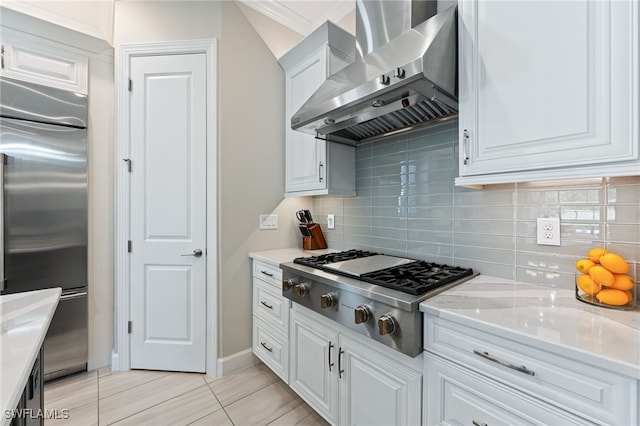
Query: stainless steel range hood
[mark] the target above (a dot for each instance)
(404, 77)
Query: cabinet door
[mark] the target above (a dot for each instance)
(306, 155)
(313, 364)
(455, 395)
(546, 86)
(41, 61)
(375, 389)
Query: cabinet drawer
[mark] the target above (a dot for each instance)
(270, 306)
(466, 398)
(267, 272)
(586, 390)
(272, 348)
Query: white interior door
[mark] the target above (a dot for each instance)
(168, 212)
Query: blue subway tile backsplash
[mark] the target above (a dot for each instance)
(407, 205)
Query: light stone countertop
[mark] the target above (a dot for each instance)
(278, 256)
(544, 317)
(25, 319)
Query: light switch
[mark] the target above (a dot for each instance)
(268, 221)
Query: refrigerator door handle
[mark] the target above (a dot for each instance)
(3, 162)
(73, 295)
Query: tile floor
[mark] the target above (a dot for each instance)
(253, 396)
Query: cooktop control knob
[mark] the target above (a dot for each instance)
(301, 290)
(362, 314)
(386, 324)
(328, 300)
(287, 284)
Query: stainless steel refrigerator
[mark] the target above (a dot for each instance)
(43, 145)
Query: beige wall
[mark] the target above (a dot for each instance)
(251, 169)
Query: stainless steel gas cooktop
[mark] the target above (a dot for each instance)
(375, 294)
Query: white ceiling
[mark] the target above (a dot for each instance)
(302, 16)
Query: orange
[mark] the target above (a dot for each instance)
(601, 275)
(583, 265)
(595, 254)
(629, 295)
(613, 297)
(587, 284)
(622, 282)
(614, 263)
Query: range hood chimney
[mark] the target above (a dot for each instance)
(404, 76)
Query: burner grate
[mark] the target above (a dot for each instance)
(417, 277)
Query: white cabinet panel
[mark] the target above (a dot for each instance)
(460, 396)
(375, 389)
(41, 61)
(313, 371)
(547, 98)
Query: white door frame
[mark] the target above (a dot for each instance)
(121, 351)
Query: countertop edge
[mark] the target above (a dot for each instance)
(30, 355)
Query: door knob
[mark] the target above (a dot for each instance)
(196, 253)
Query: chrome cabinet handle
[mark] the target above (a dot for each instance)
(521, 369)
(2, 56)
(331, 346)
(266, 347)
(320, 169)
(264, 304)
(266, 273)
(340, 370)
(477, 423)
(465, 147)
(196, 253)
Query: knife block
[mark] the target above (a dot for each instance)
(316, 240)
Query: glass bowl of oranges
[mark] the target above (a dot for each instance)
(606, 279)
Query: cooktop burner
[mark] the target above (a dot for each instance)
(413, 276)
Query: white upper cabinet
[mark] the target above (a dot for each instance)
(547, 91)
(314, 166)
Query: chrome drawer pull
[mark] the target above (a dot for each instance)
(264, 304)
(521, 369)
(477, 423)
(266, 347)
(267, 274)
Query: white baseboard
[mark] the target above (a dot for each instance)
(115, 362)
(237, 361)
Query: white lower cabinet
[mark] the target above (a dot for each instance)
(270, 319)
(313, 364)
(475, 377)
(346, 379)
(459, 396)
(376, 390)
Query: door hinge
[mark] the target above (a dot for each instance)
(129, 246)
(128, 161)
(129, 327)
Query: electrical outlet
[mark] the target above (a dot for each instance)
(331, 221)
(548, 231)
(268, 221)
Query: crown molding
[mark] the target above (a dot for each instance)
(279, 12)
